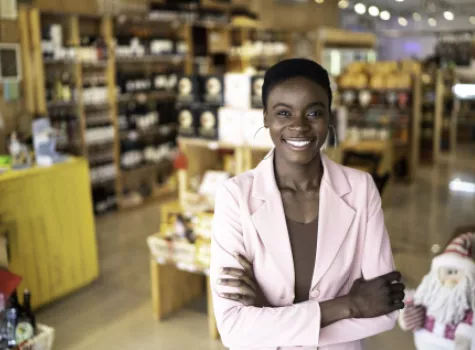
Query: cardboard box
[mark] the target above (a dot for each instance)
(237, 90)
(256, 93)
(231, 125)
(212, 87)
(188, 89)
(208, 123)
(188, 122)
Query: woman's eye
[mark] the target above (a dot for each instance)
(283, 113)
(315, 114)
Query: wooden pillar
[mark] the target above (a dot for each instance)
(107, 29)
(38, 67)
(25, 44)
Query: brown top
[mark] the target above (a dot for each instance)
(303, 241)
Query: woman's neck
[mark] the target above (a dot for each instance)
(298, 177)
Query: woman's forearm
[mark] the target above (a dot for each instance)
(335, 310)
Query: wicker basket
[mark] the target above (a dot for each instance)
(42, 341)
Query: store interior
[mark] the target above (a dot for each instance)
(120, 118)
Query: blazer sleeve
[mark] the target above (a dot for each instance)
(377, 260)
(247, 326)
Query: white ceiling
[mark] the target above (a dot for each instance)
(462, 9)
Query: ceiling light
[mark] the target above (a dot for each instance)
(402, 21)
(399, 0)
(449, 15)
(319, 1)
(373, 11)
(416, 17)
(472, 20)
(343, 4)
(432, 22)
(385, 15)
(360, 9)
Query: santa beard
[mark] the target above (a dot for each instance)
(446, 305)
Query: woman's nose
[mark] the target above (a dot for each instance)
(300, 124)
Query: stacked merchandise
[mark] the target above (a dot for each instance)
(185, 240)
(223, 108)
(378, 98)
(18, 328)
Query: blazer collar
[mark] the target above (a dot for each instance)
(335, 218)
(265, 184)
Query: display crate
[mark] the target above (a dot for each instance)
(42, 341)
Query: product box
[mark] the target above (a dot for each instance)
(254, 132)
(231, 125)
(256, 93)
(237, 90)
(212, 88)
(208, 126)
(188, 89)
(188, 122)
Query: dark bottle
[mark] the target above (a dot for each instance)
(26, 323)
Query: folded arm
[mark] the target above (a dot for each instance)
(249, 326)
(377, 260)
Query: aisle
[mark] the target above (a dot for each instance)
(115, 312)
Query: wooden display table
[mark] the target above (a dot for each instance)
(174, 285)
(48, 218)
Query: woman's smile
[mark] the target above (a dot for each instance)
(299, 143)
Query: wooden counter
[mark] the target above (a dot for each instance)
(47, 214)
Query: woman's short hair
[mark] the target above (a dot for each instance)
(295, 67)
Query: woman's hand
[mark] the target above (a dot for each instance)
(249, 293)
(377, 297)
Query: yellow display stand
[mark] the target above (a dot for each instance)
(48, 218)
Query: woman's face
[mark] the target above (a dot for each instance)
(297, 115)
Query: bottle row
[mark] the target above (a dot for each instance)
(136, 47)
(135, 83)
(63, 89)
(102, 173)
(104, 199)
(17, 322)
(54, 47)
(143, 117)
(135, 154)
(99, 135)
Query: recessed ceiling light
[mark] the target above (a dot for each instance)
(399, 0)
(385, 15)
(402, 21)
(416, 17)
(432, 22)
(343, 4)
(360, 9)
(472, 20)
(319, 1)
(449, 15)
(373, 11)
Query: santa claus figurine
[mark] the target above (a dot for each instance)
(440, 312)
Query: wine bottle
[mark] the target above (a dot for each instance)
(25, 326)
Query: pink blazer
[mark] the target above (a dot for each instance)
(352, 242)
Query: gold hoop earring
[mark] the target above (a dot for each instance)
(252, 144)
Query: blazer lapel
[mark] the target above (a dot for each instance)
(335, 217)
(269, 220)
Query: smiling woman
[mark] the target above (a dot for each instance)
(300, 256)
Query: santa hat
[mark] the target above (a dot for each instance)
(458, 254)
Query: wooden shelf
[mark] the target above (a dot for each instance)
(210, 144)
(152, 58)
(154, 95)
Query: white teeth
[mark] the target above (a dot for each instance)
(298, 143)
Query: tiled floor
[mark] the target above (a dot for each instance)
(115, 312)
